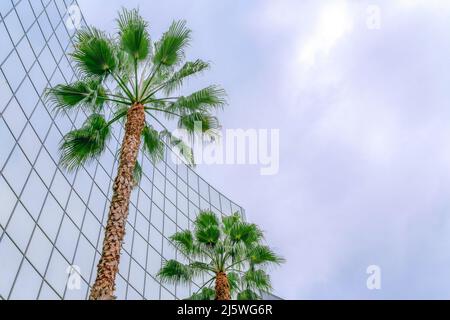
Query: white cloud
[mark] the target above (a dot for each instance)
(333, 23)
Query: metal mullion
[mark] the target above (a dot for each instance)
(31, 264)
(32, 164)
(20, 147)
(132, 241)
(132, 286)
(163, 223)
(14, 92)
(31, 236)
(26, 31)
(39, 215)
(149, 225)
(50, 22)
(59, 230)
(45, 235)
(8, 13)
(188, 202)
(24, 256)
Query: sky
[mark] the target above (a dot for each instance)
(360, 93)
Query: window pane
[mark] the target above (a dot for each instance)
(20, 227)
(27, 284)
(8, 267)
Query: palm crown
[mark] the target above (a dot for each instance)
(228, 251)
(142, 73)
(144, 76)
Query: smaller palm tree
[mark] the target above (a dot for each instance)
(229, 251)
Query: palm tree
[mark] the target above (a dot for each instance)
(230, 252)
(144, 77)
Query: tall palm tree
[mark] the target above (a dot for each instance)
(230, 252)
(144, 77)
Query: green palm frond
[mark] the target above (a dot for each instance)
(262, 255)
(205, 219)
(94, 53)
(201, 101)
(207, 229)
(246, 233)
(82, 145)
(87, 94)
(234, 281)
(153, 145)
(257, 280)
(137, 174)
(125, 66)
(199, 121)
(190, 68)
(248, 294)
(198, 267)
(120, 112)
(204, 294)
(230, 221)
(175, 272)
(169, 50)
(184, 242)
(208, 236)
(179, 146)
(133, 34)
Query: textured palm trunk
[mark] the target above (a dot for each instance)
(222, 287)
(108, 266)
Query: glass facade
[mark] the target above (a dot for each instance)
(52, 222)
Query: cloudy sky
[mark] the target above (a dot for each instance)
(362, 105)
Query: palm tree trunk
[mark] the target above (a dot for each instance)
(108, 266)
(222, 287)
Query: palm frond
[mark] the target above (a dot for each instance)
(234, 281)
(175, 272)
(176, 79)
(184, 242)
(169, 50)
(125, 64)
(94, 53)
(262, 255)
(82, 145)
(121, 112)
(248, 294)
(133, 34)
(201, 101)
(205, 219)
(246, 233)
(257, 280)
(153, 144)
(230, 221)
(179, 146)
(207, 229)
(199, 122)
(87, 94)
(209, 236)
(137, 174)
(204, 294)
(199, 267)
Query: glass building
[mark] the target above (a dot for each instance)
(52, 222)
